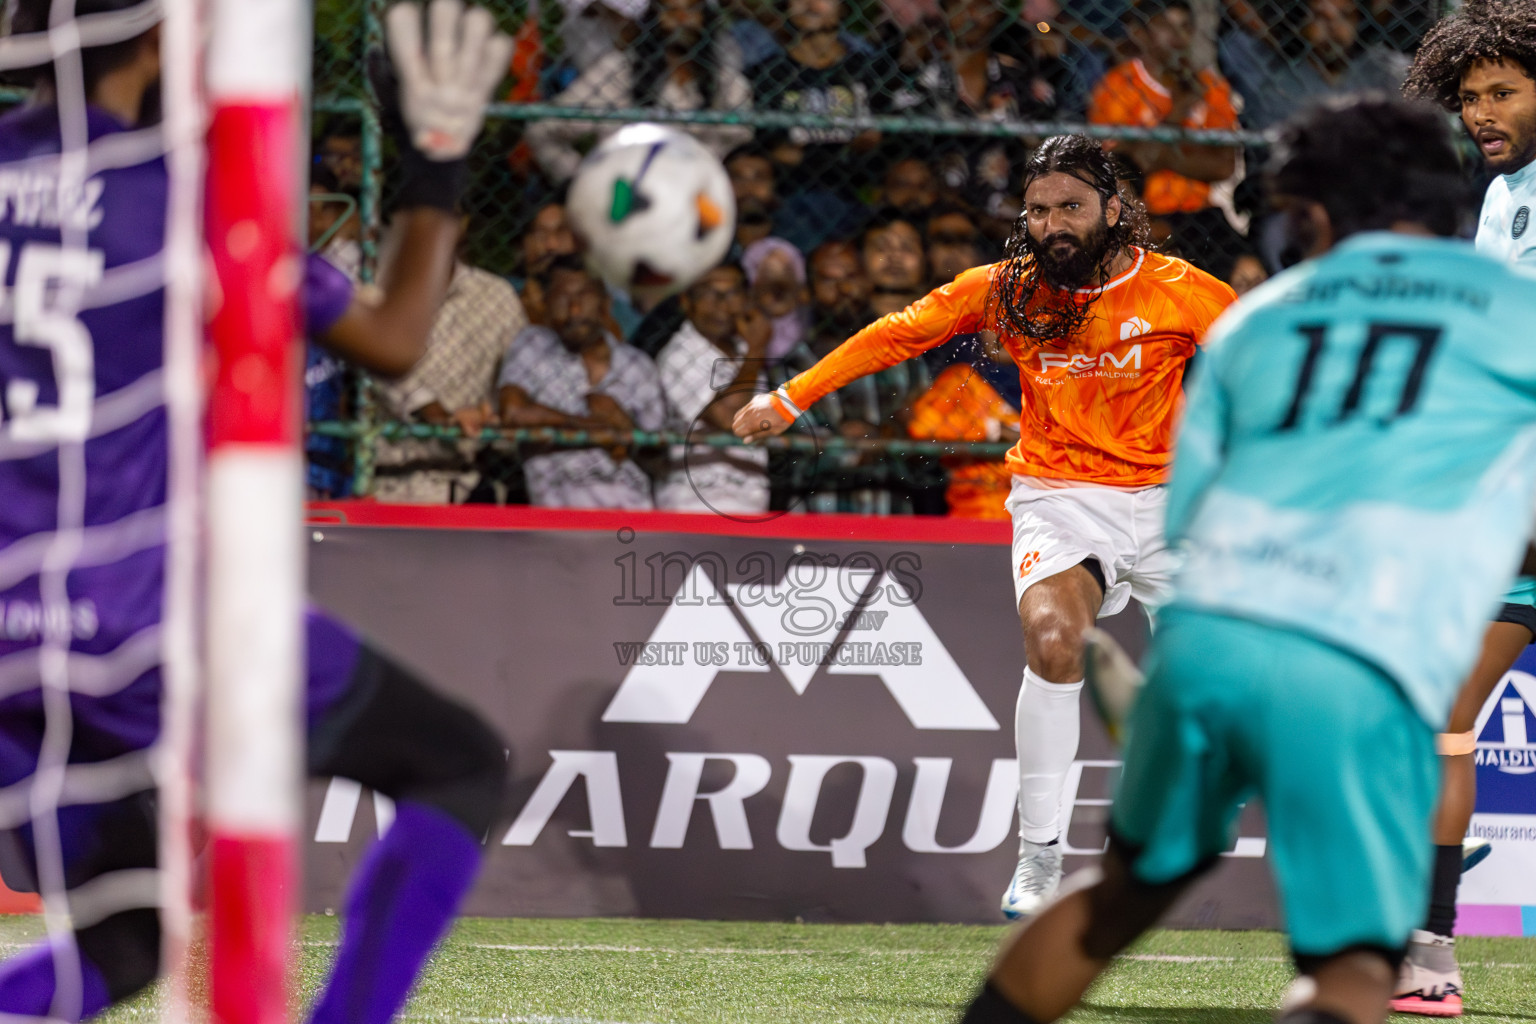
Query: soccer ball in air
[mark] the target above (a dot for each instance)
(655, 210)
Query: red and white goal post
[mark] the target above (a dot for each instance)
(256, 74)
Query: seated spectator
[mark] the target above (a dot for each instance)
(575, 374)
(1162, 86)
(453, 383)
(953, 244)
(709, 371)
(898, 268)
(549, 237)
(985, 178)
(818, 74)
(334, 225)
(911, 187)
(1318, 50)
(675, 64)
(1065, 69)
(760, 33)
(755, 187)
(873, 406)
(339, 149)
(1399, 24)
(776, 279)
(970, 78)
(963, 405)
(591, 30)
(1244, 270)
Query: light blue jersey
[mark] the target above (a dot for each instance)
(1358, 459)
(1505, 232)
(1504, 228)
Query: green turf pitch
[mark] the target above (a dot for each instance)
(656, 972)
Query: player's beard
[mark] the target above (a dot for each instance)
(1079, 261)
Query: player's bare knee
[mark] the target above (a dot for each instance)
(1053, 643)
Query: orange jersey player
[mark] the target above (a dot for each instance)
(1102, 330)
(1101, 406)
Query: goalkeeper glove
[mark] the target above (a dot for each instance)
(432, 93)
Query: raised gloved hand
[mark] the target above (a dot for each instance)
(446, 80)
(433, 89)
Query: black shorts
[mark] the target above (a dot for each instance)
(1520, 615)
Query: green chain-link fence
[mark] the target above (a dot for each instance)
(898, 126)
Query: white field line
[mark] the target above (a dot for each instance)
(1155, 958)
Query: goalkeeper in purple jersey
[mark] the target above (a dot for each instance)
(84, 455)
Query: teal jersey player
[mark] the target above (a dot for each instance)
(1353, 489)
(1505, 232)
(1358, 459)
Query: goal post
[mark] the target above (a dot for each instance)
(256, 74)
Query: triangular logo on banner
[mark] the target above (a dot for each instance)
(1506, 727)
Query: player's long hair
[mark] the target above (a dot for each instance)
(1057, 315)
(1494, 30)
(1371, 161)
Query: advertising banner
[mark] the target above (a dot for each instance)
(809, 719)
(1498, 897)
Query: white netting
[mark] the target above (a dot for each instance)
(99, 456)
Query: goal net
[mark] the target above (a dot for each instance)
(150, 563)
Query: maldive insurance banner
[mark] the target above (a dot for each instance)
(1498, 897)
(805, 719)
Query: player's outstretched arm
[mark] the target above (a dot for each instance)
(955, 308)
(389, 336)
(432, 94)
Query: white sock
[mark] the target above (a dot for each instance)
(1045, 731)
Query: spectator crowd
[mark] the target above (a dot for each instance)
(835, 227)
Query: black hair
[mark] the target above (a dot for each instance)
(1491, 30)
(1013, 299)
(339, 126)
(1144, 11)
(884, 217)
(321, 175)
(723, 265)
(96, 62)
(950, 208)
(569, 263)
(1371, 161)
(753, 149)
(649, 58)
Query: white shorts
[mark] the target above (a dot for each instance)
(1053, 530)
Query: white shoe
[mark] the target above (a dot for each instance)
(1474, 850)
(1429, 982)
(1035, 880)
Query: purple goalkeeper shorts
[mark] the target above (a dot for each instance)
(128, 719)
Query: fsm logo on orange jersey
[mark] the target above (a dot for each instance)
(1080, 364)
